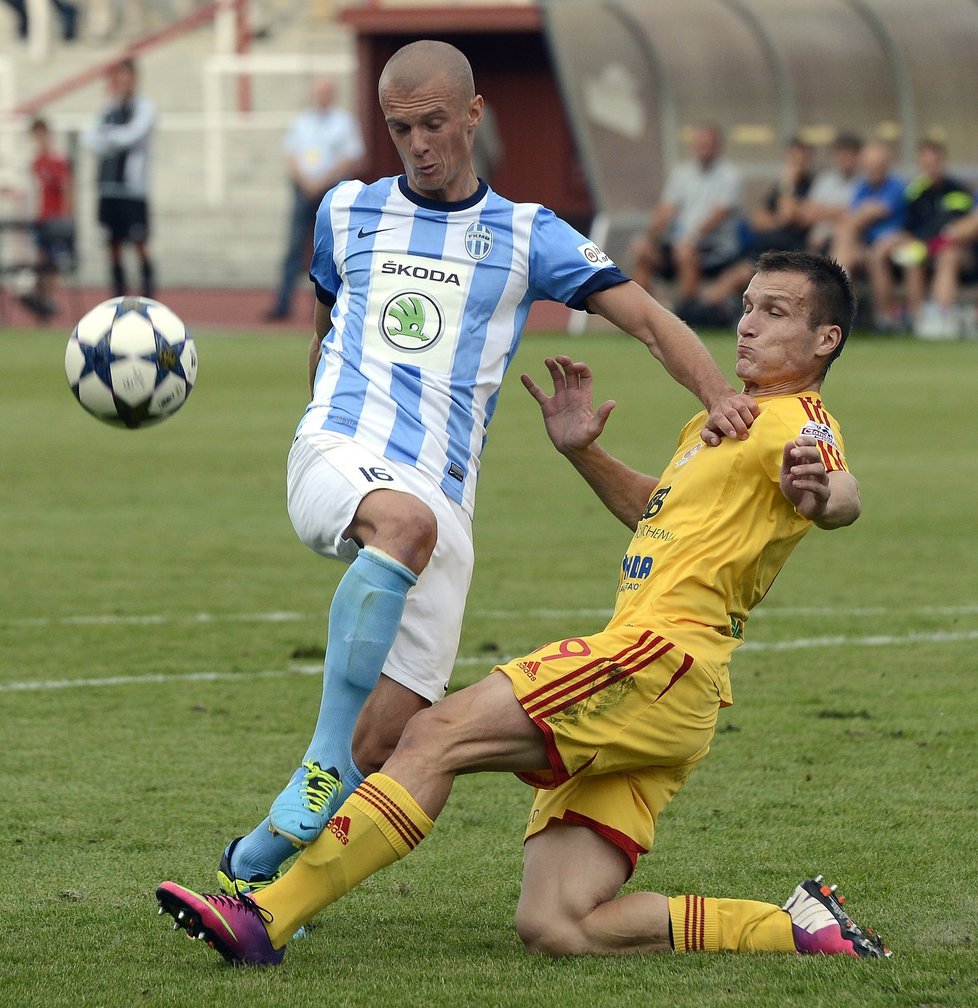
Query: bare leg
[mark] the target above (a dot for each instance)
(117, 269)
(947, 272)
(646, 262)
(688, 273)
(147, 272)
(577, 909)
(847, 247)
(881, 277)
(482, 727)
(915, 288)
(381, 723)
(731, 281)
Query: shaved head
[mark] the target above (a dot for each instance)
(418, 62)
(431, 109)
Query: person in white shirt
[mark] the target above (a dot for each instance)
(694, 230)
(121, 138)
(832, 192)
(323, 146)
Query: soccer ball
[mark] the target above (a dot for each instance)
(131, 362)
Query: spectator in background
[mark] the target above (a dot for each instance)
(933, 199)
(875, 214)
(68, 13)
(121, 137)
(779, 223)
(832, 192)
(54, 225)
(323, 146)
(954, 257)
(694, 230)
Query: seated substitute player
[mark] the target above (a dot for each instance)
(423, 285)
(608, 727)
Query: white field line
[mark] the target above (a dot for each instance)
(798, 644)
(160, 619)
(155, 619)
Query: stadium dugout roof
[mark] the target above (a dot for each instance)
(636, 75)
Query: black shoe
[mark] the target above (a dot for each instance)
(234, 886)
(277, 315)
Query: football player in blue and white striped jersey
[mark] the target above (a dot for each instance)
(423, 282)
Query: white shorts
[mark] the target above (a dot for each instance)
(328, 475)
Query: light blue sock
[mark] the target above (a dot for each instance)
(364, 618)
(261, 853)
(352, 779)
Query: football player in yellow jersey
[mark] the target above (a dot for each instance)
(607, 727)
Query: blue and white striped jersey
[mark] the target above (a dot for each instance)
(429, 304)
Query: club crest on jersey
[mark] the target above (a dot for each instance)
(594, 255)
(821, 432)
(412, 322)
(478, 241)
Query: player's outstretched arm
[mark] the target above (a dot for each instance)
(682, 354)
(574, 427)
(829, 499)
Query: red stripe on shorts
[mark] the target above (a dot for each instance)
(537, 694)
(594, 678)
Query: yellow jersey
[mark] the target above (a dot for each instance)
(717, 530)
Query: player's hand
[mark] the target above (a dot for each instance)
(569, 415)
(804, 480)
(731, 417)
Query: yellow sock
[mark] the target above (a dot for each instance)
(702, 924)
(377, 825)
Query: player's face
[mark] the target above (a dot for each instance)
(432, 127)
(779, 352)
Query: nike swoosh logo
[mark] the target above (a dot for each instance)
(366, 234)
(220, 917)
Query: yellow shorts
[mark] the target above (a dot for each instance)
(626, 716)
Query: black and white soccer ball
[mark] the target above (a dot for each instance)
(131, 362)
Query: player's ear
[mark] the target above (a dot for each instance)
(475, 111)
(830, 336)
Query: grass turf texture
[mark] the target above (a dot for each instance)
(160, 637)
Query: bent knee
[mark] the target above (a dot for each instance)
(415, 523)
(425, 732)
(549, 934)
(399, 524)
(432, 741)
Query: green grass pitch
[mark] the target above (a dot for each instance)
(161, 631)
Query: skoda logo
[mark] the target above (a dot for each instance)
(411, 322)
